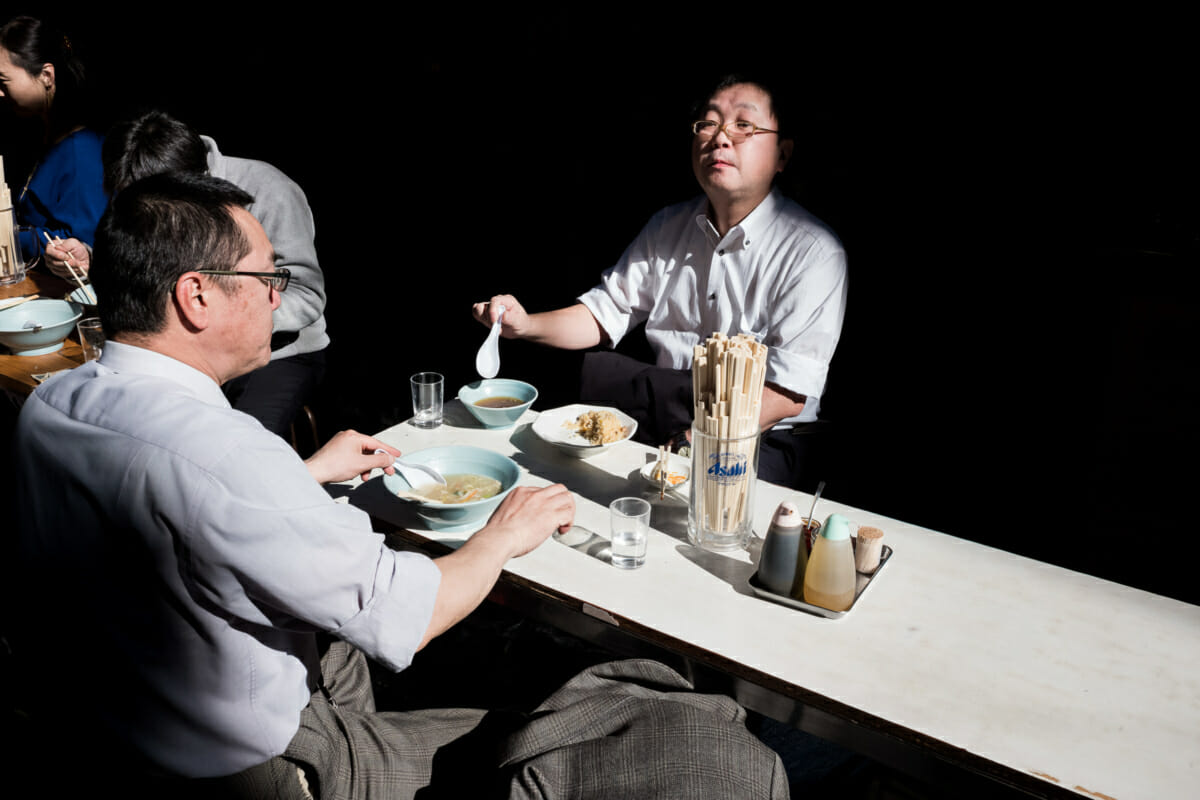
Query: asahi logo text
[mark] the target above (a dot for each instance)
(727, 468)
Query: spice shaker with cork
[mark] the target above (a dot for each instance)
(868, 549)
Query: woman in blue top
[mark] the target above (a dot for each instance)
(42, 78)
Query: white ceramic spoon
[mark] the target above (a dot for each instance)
(487, 360)
(416, 475)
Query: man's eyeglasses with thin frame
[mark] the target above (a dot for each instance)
(738, 131)
(277, 280)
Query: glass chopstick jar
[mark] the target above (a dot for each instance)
(724, 475)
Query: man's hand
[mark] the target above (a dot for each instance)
(526, 517)
(523, 520)
(570, 328)
(514, 325)
(778, 404)
(61, 252)
(350, 453)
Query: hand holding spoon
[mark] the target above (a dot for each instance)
(487, 360)
(417, 475)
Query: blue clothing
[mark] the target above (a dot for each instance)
(66, 196)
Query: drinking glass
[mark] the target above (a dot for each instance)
(724, 475)
(91, 337)
(12, 262)
(427, 399)
(630, 517)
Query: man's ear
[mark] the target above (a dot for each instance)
(785, 153)
(190, 302)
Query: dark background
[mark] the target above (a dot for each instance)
(1017, 197)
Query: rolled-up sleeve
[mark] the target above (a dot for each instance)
(805, 322)
(271, 548)
(625, 295)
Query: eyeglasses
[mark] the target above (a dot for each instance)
(277, 280)
(738, 131)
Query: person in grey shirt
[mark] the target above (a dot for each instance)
(157, 142)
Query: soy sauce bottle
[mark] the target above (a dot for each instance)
(784, 555)
(829, 579)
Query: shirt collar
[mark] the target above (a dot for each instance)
(749, 230)
(128, 358)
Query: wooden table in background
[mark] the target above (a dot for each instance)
(16, 372)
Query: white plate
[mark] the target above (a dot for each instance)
(551, 427)
(676, 464)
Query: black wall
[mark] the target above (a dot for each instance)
(1017, 197)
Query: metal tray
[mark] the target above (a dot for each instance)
(864, 582)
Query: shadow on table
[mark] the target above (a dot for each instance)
(551, 464)
(733, 571)
(373, 497)
(588, 542)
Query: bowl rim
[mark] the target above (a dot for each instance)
(75, 308)
(473, 503)
(467, 387)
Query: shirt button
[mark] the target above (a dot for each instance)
(720, 252)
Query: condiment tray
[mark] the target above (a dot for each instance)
(864, 582)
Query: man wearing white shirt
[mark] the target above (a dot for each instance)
(740, 259)
(185, 567)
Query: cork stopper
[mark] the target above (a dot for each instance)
(868, 549)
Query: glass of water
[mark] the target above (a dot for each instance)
(630, 518)
(91, 337)
(427, 399)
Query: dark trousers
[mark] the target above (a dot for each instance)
(274, 394)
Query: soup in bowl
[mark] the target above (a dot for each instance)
(497, 402)
(477, 480)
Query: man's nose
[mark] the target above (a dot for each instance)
(722, 138)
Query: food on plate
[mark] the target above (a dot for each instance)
(661, 474)
(499, 401)
(673, 478)
(598, 427)
(463, 488)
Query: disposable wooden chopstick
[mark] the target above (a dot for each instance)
(86, 291)
(728, 376)
(16, 301)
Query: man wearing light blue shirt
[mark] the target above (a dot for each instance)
(188, 555)
(199, 608)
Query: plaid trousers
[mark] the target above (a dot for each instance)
(622, 729)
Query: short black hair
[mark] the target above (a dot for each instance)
(154, 231)
(146, 145)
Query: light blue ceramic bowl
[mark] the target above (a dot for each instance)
(38, 327)
(456, 460)
(84, 297)
(472, 393)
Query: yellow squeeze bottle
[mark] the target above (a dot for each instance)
(829, 579)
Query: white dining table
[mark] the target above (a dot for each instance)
(960, 656)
